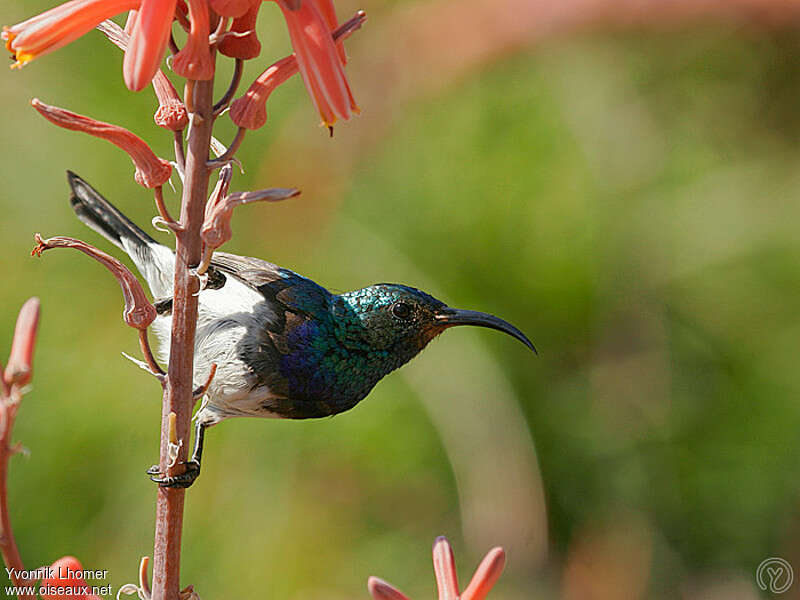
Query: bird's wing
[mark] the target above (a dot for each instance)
(280, 287)
(252, 271)
(279, 350)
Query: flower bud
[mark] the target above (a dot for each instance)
(151, 171)
(138, 312)
(171, 113)
(20, 362)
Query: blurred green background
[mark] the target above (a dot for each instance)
(625, 196)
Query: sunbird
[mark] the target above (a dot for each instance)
(284, 346)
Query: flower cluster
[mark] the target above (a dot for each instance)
(224, 25)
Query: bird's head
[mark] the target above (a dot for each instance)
(399, 321)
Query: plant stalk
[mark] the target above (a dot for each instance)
(8, 545)
(178, 390)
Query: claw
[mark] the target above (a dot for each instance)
(184, 480)
(191, 466)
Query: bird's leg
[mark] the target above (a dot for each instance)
(185, 479)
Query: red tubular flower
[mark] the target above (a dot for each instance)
(194, 59)
(66, 581)
(328, 12)
(444, 567)
(138, 312)
(250, 111)
(318, 60)
(486, 575)
(148, 41)
(244, 46)
(151, 171)
(232, 8)
(20, 362)
(58, 27)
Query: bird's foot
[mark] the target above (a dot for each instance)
(182, 480)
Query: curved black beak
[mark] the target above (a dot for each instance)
(450, 317)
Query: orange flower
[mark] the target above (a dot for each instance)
(327, 10)
(151, 171)
(250, 110)
(58, 27)
(318, 59)
(138, 312)
(63, 24)
(149, 38)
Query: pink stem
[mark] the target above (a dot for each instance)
(178, 392)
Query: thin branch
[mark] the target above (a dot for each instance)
(234, 85)
(200, 392)
(155, 368)
(162, 210)
(230, 152)
(180, 158)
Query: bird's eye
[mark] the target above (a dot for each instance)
(401, 310)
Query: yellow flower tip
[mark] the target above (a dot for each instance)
(8, 36)
(328, 124)
(22, 59)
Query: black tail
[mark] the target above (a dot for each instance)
(102, 216)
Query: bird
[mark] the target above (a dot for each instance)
(283, 345)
